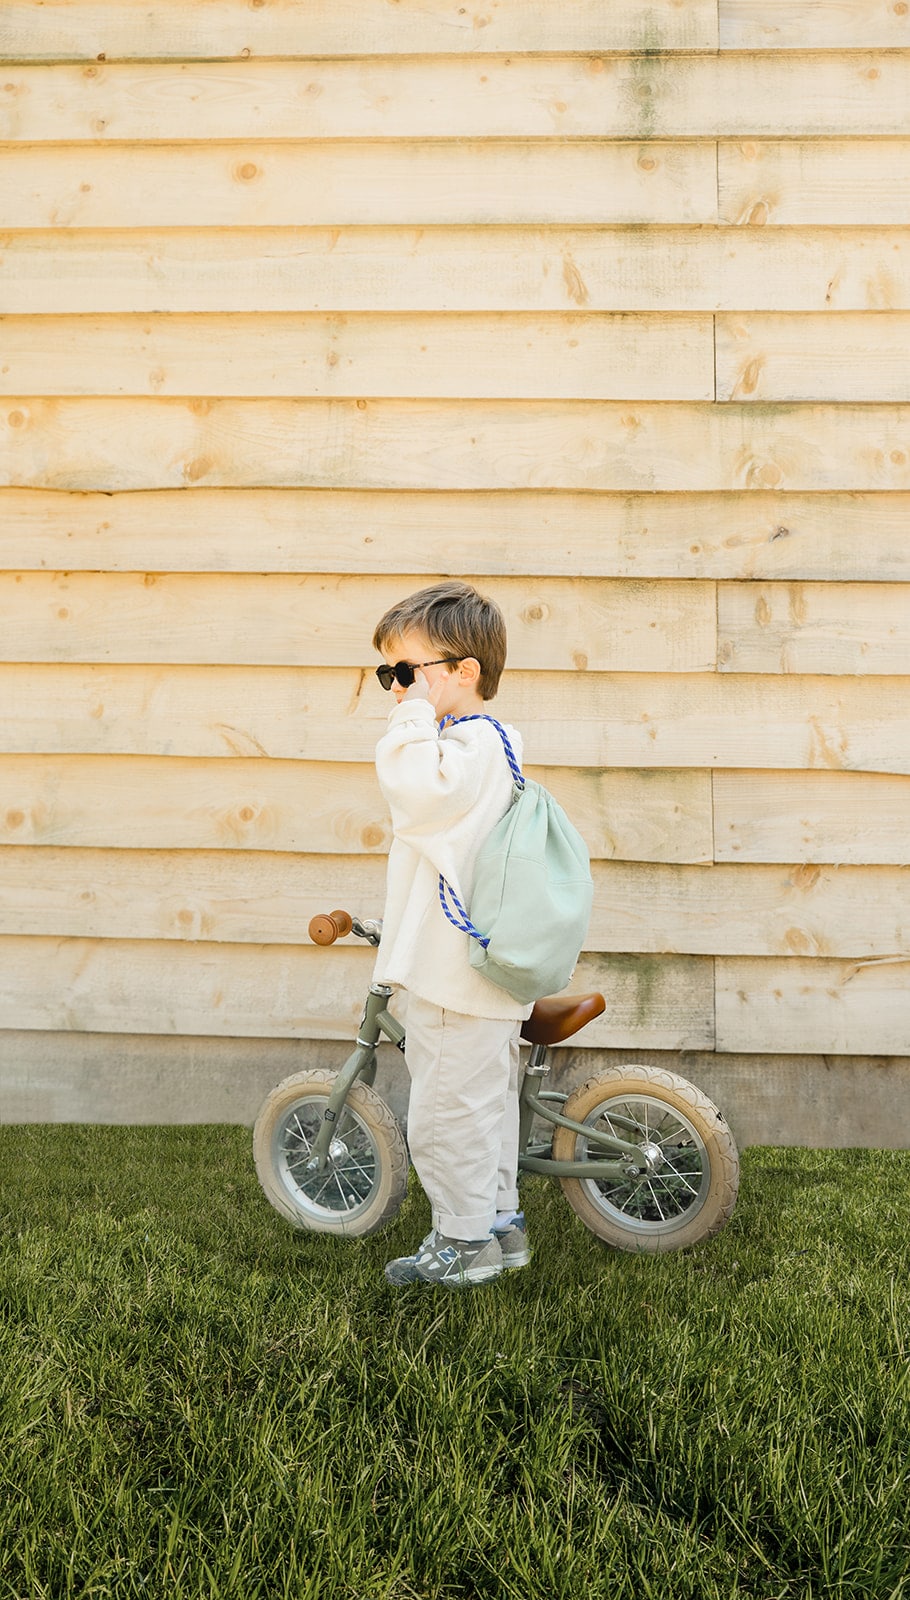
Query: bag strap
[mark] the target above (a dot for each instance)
(481, 716)
(463, 922)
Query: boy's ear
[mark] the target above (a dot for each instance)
(469, 670)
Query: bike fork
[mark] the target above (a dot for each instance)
(361, 1064)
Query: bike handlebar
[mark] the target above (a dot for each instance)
(332, 925)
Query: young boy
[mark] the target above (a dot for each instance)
(447, 783)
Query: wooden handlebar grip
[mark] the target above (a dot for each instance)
(326, 929)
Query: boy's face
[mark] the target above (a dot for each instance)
(438, 682)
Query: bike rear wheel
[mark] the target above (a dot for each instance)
(366, 1176)
(690, 1188)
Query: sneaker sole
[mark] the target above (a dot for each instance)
(464, 1280)
(519, 1258)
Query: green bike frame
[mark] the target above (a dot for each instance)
(620, 1159)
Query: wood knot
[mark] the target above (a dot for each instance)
(805, 877)
(15, 819)
(247, 171)
(748, 382)
(16, 419)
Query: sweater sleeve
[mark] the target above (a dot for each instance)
(428, 781)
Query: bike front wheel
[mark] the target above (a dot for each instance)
(689, 1190)
(365, 1178)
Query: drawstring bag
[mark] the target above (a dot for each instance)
(532, 895)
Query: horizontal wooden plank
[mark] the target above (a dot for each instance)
(843, 356)
(162, 1079)
(174, 803)
(467, 97)
(284, 620)
(436, 354)
(338, 184)
(831, 181)
(455, 269)
(54, 1077)
(840, 817)
(568, 719)
(752, 909)
(821, 24)
(86, 29)
(814, 1101)
(834, 1007)
(749, 534)
(813, 627)
(266, 897)
(434, 444)
(291, 991)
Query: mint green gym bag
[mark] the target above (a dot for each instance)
(532, 896)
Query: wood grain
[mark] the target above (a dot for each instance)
(834, 1007)
(370, 182)
(398, 444)
(835, 816)
(174, 803)
(589, 96)
(838, 628)
(842, 356)
(86, 29)
(265, 897)
(726, 534)
(287, 991)
(817, 24)
(643, 720)
(442, 355)
(830, 181)
(659, 268)
(307, 620)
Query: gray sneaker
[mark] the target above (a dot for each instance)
(452, 1262)
(513, 1242)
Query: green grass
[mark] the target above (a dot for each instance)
(196, 1401)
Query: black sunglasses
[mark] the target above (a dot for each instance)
(404, 673)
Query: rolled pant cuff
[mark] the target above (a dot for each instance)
(476, 1227)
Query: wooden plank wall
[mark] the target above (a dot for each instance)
(603, 306)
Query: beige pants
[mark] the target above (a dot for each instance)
(463, 1115)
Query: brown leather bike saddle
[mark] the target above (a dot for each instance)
(558, 1017)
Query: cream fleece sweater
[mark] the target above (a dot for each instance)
(445, 791)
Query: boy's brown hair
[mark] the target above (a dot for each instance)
(458, 622)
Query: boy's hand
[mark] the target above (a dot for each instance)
(420, 688)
